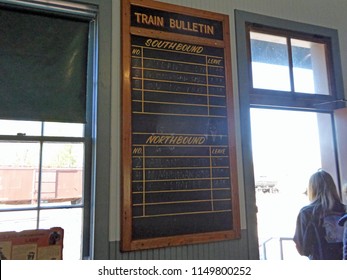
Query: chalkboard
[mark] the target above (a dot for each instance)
(181, 181)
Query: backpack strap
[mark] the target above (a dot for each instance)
(342, 220)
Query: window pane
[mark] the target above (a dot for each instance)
(18, 166)
(309, 67)
(71, 221)
(9, 127)
(270, 67)
(18, 220)
(62, 176)
(63, 129)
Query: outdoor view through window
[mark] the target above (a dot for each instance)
(286, 151)
(41, 179)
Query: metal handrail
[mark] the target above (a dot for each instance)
(280, 239)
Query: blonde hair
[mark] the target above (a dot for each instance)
(322, 189)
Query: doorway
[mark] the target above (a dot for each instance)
(287, 147)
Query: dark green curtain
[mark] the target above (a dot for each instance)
(43, 67)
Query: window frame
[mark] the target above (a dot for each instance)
(245, 22)
(291, 98)
(248, 97)
(96, 141)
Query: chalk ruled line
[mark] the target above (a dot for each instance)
(161, 157)
(178, 92)
(181, 202)
(182, 213)
(182, 168)
(182, 146)
(179, 104)
(182, 190)
(176, 72)
(179, 115)
(174, 134)
(144, 181)
(178, 82)
(182, 179)
(183, 62)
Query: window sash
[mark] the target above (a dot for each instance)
(291, 98)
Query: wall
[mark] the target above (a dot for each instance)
(317, 12)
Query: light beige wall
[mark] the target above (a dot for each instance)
(327, 13)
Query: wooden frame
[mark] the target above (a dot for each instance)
(179, 169)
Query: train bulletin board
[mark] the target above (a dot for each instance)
(179, 176)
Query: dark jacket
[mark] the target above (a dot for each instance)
(343, 222)
(311, 238)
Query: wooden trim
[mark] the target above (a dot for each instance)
(126, 204)
(128, 242)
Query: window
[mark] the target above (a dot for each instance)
(46, 125)
(290, 84)
(288, 64)
(41, 179)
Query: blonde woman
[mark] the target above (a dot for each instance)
(317, 233)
